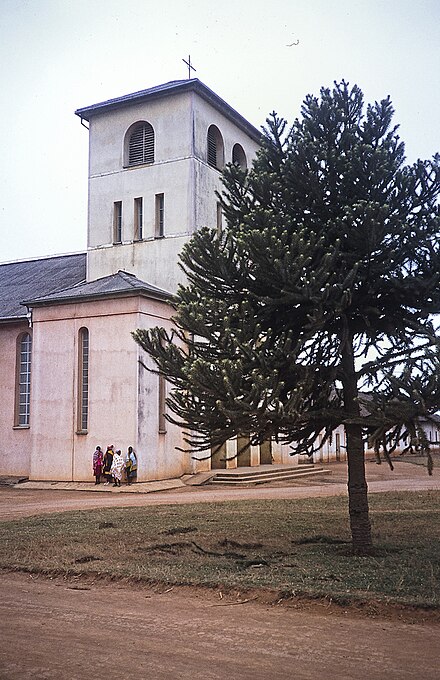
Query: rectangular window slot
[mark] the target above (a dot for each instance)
(23, 387)
(138, 219)
(162, 405)
(117, 222)
(160, 216)
(83, 380)
(219, 219)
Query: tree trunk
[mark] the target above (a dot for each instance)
(358, 493)
(357, 483)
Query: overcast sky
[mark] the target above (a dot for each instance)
(60, 55)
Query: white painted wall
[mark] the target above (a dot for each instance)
(152, 261)
(180, 171)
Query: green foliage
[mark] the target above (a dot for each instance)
(323, 285)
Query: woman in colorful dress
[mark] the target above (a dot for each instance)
(130, 465)
(107, 464)
(118, 466)
(97, 464)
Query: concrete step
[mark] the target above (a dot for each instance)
(238, 478)
(262, 470)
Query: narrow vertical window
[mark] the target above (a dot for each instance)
(219, 219)
(138, 219)
(117, 222)
(83, 380)
(23, 387)
(160, 216)
(162, 405)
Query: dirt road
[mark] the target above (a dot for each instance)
(51, 631)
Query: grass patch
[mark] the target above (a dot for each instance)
(298, 547)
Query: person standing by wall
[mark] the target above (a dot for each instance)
(130, 465)
(118, 466)
(97, 464)
(107, 464)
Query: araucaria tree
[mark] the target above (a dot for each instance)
(314, 307)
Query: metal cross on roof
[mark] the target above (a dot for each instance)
(190, 66)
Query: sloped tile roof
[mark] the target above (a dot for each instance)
(20, 281)
(121, 283)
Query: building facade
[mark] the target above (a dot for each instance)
(71, 375)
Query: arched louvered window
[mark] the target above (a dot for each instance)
(141, 144)
(239, 156)
(83, 379)
(216, 157)
(23, 384)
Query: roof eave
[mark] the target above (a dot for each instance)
(13, 319)
(93, 297)
(194, 84)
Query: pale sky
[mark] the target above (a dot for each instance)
(60, 55)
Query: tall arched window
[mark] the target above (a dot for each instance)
(83, 380)
(23, 384)
(140, 144)
(239, 156)
(216, 154)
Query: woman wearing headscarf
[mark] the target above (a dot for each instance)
(130, 465)
(117, 467)
(107, 464)
(97, 464)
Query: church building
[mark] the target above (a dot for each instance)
(71, 376)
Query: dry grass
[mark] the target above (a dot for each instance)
(298, 547)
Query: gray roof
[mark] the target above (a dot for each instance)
(173, 87)
(115, 285)
(21, 280)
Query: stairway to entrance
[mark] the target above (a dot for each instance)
(264, 474)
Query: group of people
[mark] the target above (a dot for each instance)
(112, 464)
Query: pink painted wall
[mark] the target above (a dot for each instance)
(123, 400)
(15, 442)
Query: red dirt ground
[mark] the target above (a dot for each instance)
(54, 629)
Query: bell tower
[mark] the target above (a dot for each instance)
(155, 161)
